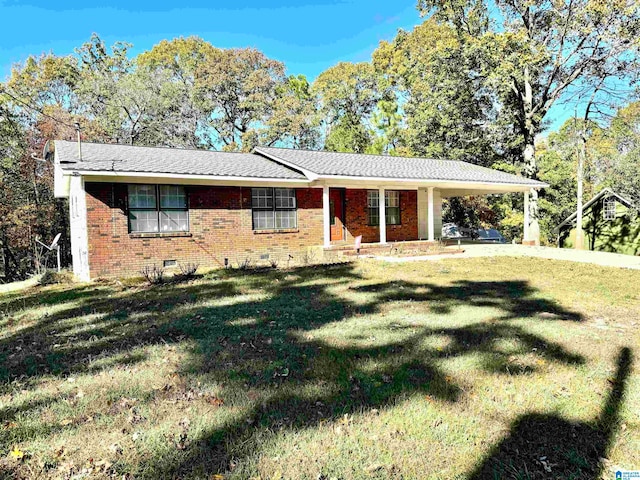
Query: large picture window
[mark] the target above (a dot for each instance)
(158, 209)
(274, 208)
(391, 203)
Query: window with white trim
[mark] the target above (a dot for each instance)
(274, 208)
(609, 209)
(391, 203)
(158, 209)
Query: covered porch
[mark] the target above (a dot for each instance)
(410, 212)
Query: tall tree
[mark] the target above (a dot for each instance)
(177, 62)
(237, 89)
(124, 100)
(435, 77)
(624, 142)
(349, 134)
(45, 82)
(543, 49)
(294, 119)
(349, 94)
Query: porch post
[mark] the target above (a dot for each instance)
(326, 216)
(431, 214)
(527, 221)
(383, 216)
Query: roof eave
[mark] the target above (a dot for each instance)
(536, 186)
(225, 178)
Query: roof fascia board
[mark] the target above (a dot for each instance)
(170, 176)
(325, 179)
(307, 173)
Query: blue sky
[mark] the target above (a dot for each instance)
(308, 36)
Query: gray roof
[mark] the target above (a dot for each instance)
(274, 163)
(381, 166)
(126, 158)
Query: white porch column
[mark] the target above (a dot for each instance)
(326, 216)
(383, 216)
(431, 215)
(527, 220)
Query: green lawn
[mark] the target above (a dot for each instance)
(465, 368)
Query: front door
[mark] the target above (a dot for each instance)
(336, 215)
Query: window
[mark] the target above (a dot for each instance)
(373, 207)
(332, 212)
(392, 207)
(148, 215)
(274, 208)
(609, 209)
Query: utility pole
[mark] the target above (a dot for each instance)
(582, 150)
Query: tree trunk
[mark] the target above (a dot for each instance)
(530, 170)
(530, 165)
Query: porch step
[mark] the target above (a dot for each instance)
(386, 246)
(409, 253)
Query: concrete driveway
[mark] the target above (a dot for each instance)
(583, 256)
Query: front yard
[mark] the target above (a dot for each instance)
(466, 368)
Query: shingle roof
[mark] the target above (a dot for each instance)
(380, 166)
(126, 158)
(274, 163)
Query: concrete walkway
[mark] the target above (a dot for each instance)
(583, 256)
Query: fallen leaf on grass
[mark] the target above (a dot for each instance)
(115, 448)
(185, 423)
(213, 400)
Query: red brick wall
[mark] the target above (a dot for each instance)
(357, 224)
(220, 226)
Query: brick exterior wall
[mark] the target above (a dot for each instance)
(220, 226)
(357, 223)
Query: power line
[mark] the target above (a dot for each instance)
(4, 91)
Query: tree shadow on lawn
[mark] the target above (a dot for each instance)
(548, 446)
(266, 345)
(515, 298)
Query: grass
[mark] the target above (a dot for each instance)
(464, 368)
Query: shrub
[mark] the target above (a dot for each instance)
(188, 270)
(245, 264)
(51, 277)
(153, 274)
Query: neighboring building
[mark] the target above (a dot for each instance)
(610, 223)
(131, 207)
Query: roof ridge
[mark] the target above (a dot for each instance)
(380, 155)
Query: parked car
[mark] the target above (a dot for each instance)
(489, 235)
(451, 231)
